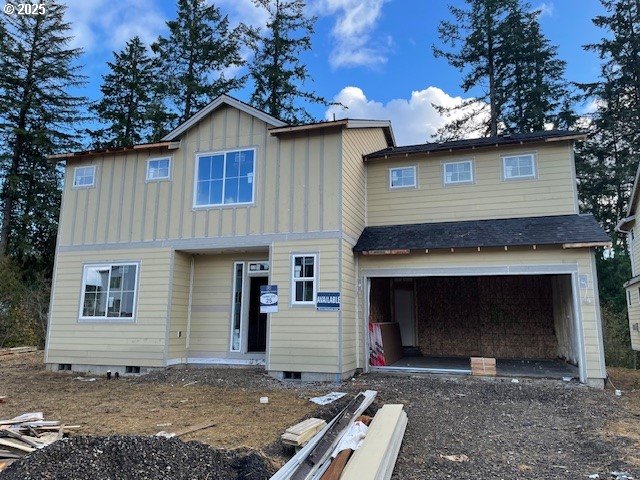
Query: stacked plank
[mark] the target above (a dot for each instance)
(17, 350)
(483, 366)
(27, 433)
(299, 434)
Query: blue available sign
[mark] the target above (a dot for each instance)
(328, 301)
(268, 298)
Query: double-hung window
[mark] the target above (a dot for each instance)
(225, 178)
(455, 173)
(84, 176)
(402, 177)
(303, 283)
(109, 291)
(159, 169)
(516, 167)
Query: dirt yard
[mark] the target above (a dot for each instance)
(533, 429)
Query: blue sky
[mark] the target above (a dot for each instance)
(373, 55)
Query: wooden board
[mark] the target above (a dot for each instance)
(195, 428)
(334, 472)
(11, 443)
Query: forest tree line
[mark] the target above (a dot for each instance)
(518, 82)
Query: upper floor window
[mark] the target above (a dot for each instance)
(84, 176)
(224, 178)
(304, 280)
(458, 172)
(159, 169)
(109, 291)
(402, 177)
(518, 166)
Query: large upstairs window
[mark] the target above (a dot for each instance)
(224, 178)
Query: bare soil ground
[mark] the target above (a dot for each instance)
(534, 429)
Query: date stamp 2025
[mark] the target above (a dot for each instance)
(24, 9)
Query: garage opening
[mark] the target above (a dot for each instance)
(525, 322)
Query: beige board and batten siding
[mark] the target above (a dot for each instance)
(357, 142)
(552, 192)
(582, 258)
(633, 309)
(296, 190)
(635, 250)
(301, 338)
(140, 342)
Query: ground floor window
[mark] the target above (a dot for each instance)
(109, 291)
(303, 282)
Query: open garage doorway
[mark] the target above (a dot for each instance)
(436, 323)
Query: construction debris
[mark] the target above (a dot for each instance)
(455, 458)
(298, 435)
(25, 434)
(351, 446)
(17, 350)
(328, 398)
(185, 431)
(482, 366)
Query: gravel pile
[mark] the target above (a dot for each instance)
(139, 458)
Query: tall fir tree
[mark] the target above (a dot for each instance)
(38, 70)
(277, 71)
(127, 97)
(196, 57)
(501, 48)
(608, 161)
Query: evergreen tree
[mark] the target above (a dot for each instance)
(277, 71)
(37, 115)
(194, 60)
(127, 96)
(501, 48)
(609, 159)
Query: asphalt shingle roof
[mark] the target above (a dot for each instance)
(552, 230)
(547, 135)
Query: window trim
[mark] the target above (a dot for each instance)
(106, 319)
(463, 182)
(91, 185)
(233, 305)
(293, 301)
(415, 177)
(195, 206)
(534, 165)
(159, 179)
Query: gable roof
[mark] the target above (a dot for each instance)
(552, 230)
(473, 143)
(213, 105)
(342, 123)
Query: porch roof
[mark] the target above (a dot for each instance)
(570, 231)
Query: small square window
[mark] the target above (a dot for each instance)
(402, 177)
(458, 172)
(84, 176)
(518, 167)
(159, 169)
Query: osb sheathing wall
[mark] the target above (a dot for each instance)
(501, 316)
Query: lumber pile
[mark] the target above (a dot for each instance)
(351, 446)
(298, 435)
(483, 366)
(17, 350)
(27, 433)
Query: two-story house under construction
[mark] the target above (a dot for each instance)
(473, 248)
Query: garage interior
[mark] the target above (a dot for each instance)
(526, 322)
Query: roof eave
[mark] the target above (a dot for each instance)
(59, 157)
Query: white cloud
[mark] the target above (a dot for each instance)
(414, 120)
(352, 32)
(546, 9)
(104, 24)
(244, 11)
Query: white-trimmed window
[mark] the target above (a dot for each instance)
(518, 167)
(224, 178)
(402, 177)
(109, 291)
(159, 169)
(457, 172)
(303, 281)
(84, 176)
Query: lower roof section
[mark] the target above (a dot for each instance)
(567, 230)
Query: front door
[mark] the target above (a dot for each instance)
(257, 333)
